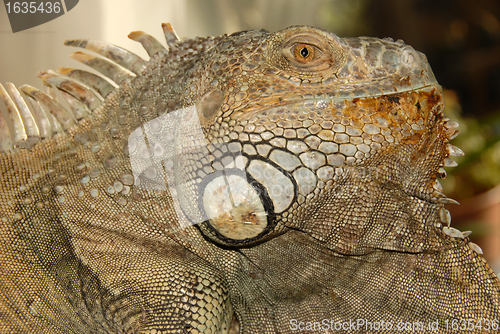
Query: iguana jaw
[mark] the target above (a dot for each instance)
(407, 136)
(395, 142)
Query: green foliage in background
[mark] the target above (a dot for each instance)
(479, 169)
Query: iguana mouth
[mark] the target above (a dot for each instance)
(279, 100)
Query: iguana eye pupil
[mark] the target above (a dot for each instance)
(304, 52)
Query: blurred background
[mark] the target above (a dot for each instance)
(461, 39)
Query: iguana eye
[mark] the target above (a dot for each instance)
(304, 52)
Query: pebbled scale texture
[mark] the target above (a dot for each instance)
(250, 183)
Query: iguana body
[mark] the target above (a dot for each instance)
(258, 182)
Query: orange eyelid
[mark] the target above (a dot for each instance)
(304, 52)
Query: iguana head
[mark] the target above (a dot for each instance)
(301, 129)
(257, 133)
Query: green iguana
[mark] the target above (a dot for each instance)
(256, 183)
